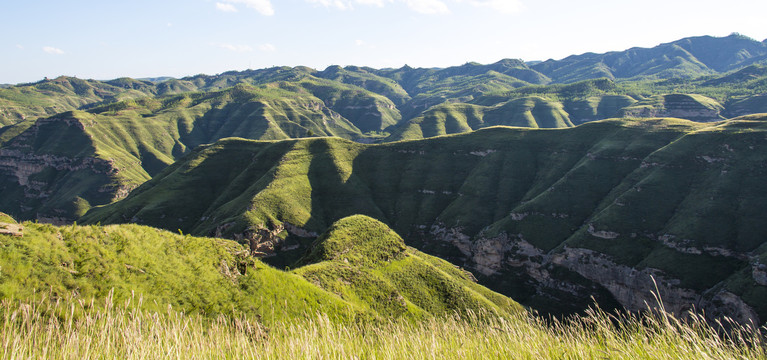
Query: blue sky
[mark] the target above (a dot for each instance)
(110, 38)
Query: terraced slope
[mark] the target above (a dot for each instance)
(549, 217)
(378, 280)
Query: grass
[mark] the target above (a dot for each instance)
(362, 280)
(456, 118)
(71, 329)
(696, 185)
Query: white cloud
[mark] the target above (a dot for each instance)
(379, 3)
(225, 7)
(421, 6)
(19, 46)
(53, 50)
(504, 6)
(339, 4)
(364, 44)
(263, 6)
(267, 47)
(235, 47)
(428, 6)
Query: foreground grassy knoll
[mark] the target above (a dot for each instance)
(114, 330)
(358, 270)
(549, 217)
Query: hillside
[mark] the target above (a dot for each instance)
(52, 96)
(378, 281)
(685, 58)
(530, 112)
(549, 217)
(56, 168)
(107, 137)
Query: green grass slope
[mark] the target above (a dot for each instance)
(49, 97)
(215, 276)
(57, 168)
(527, 209)
(531, 112)
(362, 259)
(367, 79)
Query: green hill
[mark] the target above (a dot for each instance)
(379, 280)
(685, 106)
(532, 112)
(49, 97)
(550, 217)
(71, 144)
(685, 58)
(55, 169)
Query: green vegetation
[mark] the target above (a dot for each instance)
(663, 194)
(49, 97)
(112, 330)
(524, 208)
(215, 276)
(682, 59)
(530, 112)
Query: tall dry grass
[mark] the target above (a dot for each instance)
(74, 329)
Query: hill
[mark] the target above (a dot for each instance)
(549, 217)
(124, 131)
(532, 112)
(686, 58)
(52, 96)
(377, 281)
(56, 168)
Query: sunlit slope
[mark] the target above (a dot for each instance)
(49, 97)
(530, 112)
(381, 279)
(60, 166)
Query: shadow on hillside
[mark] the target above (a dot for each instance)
(335, 193)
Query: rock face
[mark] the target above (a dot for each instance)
(634, 289)
(11, 229)
(52, 157)
(691, 107)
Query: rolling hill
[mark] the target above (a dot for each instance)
(549, 217)
(71, 144)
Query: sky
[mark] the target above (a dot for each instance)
(108, 39)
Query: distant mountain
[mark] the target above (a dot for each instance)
(549, 217)
(687, 58)
(158, 79)
(52, 96)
